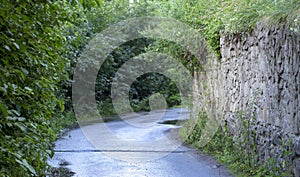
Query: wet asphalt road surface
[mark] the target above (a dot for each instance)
(144, 146)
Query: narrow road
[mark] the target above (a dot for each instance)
(143, 146)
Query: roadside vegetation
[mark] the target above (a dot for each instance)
(41, 42)
(238, 152)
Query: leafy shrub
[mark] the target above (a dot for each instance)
(32, 64)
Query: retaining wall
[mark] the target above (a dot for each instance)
(258, 74)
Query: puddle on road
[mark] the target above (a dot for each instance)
(169, 122)
(172, 122)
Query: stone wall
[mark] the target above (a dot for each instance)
(258, 74)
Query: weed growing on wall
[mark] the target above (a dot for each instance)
(238, 151)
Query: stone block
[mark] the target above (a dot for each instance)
(277, 139)
(296, 167)
(296, 148)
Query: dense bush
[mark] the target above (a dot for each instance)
(33, 62)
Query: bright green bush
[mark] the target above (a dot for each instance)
(32, 64)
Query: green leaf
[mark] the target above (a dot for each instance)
(3, 109)
(15, 112)
(61, 105)
(28, 89)
(21, 127)
(7, 48)
(26, 165)
(16, 45)
(21, 119)
(24, 70)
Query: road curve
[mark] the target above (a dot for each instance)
(102, 156)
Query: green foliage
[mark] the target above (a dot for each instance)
(109, 68)
(177, 52)
(89, 4)
(61, 122)
(32, 64)
(149, 84)
(230, 16)
(106, 108)
(141, 89)
(193, 128)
